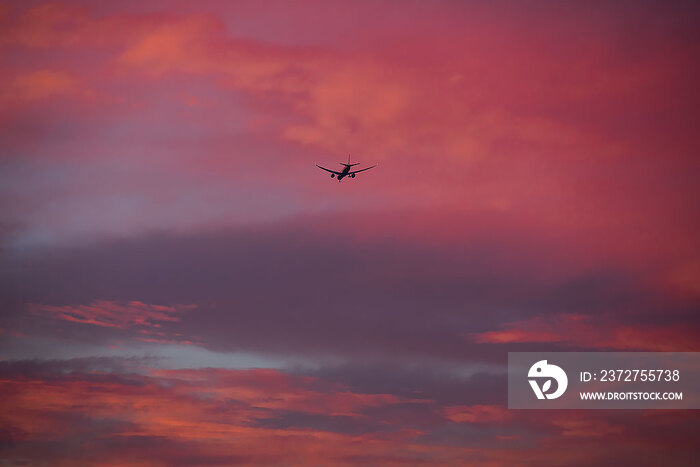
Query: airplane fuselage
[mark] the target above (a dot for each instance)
(344, 173)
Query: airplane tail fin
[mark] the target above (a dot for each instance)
(349, 164)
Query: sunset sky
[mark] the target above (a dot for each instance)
(181, 286)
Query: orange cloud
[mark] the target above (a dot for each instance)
(587, 428)
(281, 391)
(468, 122)
(44, 83)
(214, 412)
(204, 417)
(341, 97)
(576, 330)
(478, 414)
(516, 335)
(39, 85)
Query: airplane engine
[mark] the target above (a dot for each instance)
(332, 175)
(353, 175)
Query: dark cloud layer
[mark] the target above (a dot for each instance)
(297, 288)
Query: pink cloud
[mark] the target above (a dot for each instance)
(478, 414)
(459, 128)
(40, 84)
(210, 410)
(224, 416)
(143, 320)
(575, 330)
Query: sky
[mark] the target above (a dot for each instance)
(181, 286)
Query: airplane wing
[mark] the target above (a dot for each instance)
(362, 170)
(328, 170)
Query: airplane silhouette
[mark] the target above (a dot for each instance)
(346, 170)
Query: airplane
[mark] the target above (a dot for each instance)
(346, 170)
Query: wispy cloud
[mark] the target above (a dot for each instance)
(584, 332)
(143, 321)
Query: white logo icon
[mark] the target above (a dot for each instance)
(547, 372)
